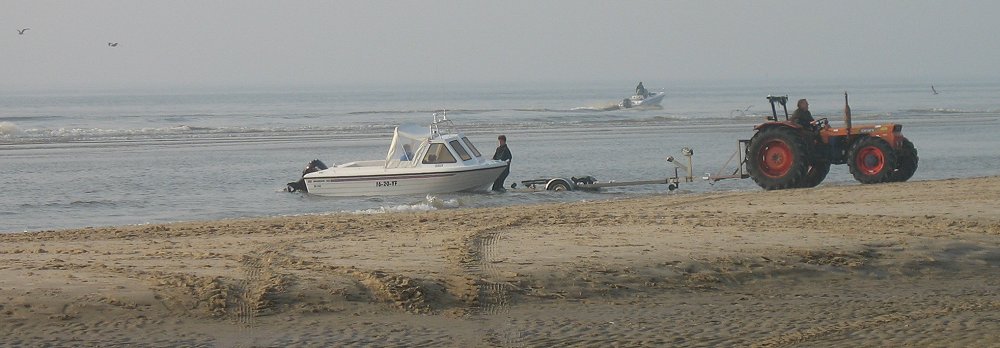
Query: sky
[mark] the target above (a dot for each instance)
(208, 43)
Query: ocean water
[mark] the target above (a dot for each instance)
(77, 159)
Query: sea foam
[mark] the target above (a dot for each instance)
(8, 130)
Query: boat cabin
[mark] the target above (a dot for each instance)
(414, 146)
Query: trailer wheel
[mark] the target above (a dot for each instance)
(558, 185)
(872, 161)
(907, 162)
(776, 158)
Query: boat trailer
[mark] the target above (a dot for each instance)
(739, 172)
(588, 182)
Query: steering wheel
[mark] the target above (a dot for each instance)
(822, 123)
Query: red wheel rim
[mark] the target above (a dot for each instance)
(870, 160)
(776, 158)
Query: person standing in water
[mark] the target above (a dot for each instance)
(502, 154)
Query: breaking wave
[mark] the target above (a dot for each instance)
(14, 134)
(449, 111)
(946, 111)
(431, 202)
(8, 130)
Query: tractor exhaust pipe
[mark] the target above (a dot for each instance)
(847, 114)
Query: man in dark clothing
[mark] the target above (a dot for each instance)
(802, 116)
(503, 154)
(640, 90)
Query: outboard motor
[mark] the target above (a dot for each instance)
(626, 103)
(313, 166)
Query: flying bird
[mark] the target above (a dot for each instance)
(21, 31)
(933, 90)
(113, 44)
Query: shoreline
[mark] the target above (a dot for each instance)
(833, 265)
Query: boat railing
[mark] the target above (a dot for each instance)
(442, 125)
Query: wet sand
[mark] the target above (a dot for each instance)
(905, 264)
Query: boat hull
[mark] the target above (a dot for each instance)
(653, 99)
(345, 182)
(639, 101)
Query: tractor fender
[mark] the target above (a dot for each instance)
(771, 124)
(560, 184)
(784, 124)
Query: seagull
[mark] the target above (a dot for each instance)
(933, 90)
(113, 44)
(21, 31)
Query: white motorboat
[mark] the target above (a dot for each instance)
(444, 160)
(650, 99)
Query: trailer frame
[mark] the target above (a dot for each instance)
(590, 183)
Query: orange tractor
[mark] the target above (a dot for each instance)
(783, 154)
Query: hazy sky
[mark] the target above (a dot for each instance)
(252, 43)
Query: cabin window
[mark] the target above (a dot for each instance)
(468, 144)
(438, 153)
(461, 150)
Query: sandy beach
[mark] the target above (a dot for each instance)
(902, 264)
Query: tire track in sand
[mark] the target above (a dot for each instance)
(494, 296)
(251, 292)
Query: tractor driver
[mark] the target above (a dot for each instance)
(802, 116)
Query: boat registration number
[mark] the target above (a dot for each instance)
(385, 183)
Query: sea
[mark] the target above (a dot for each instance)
(93, 158)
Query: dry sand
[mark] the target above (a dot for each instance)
(907, 264)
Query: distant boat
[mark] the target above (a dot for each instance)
(933, 90)
(649, 99)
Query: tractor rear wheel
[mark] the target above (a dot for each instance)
(907, 162)
(777, 159)
(872, 161)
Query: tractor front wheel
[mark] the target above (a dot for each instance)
(872, 161)
(776, 158)
(815, 175)
(907, 162)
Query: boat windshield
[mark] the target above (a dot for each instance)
(468, 144)
(461, 150)
(438, 153)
